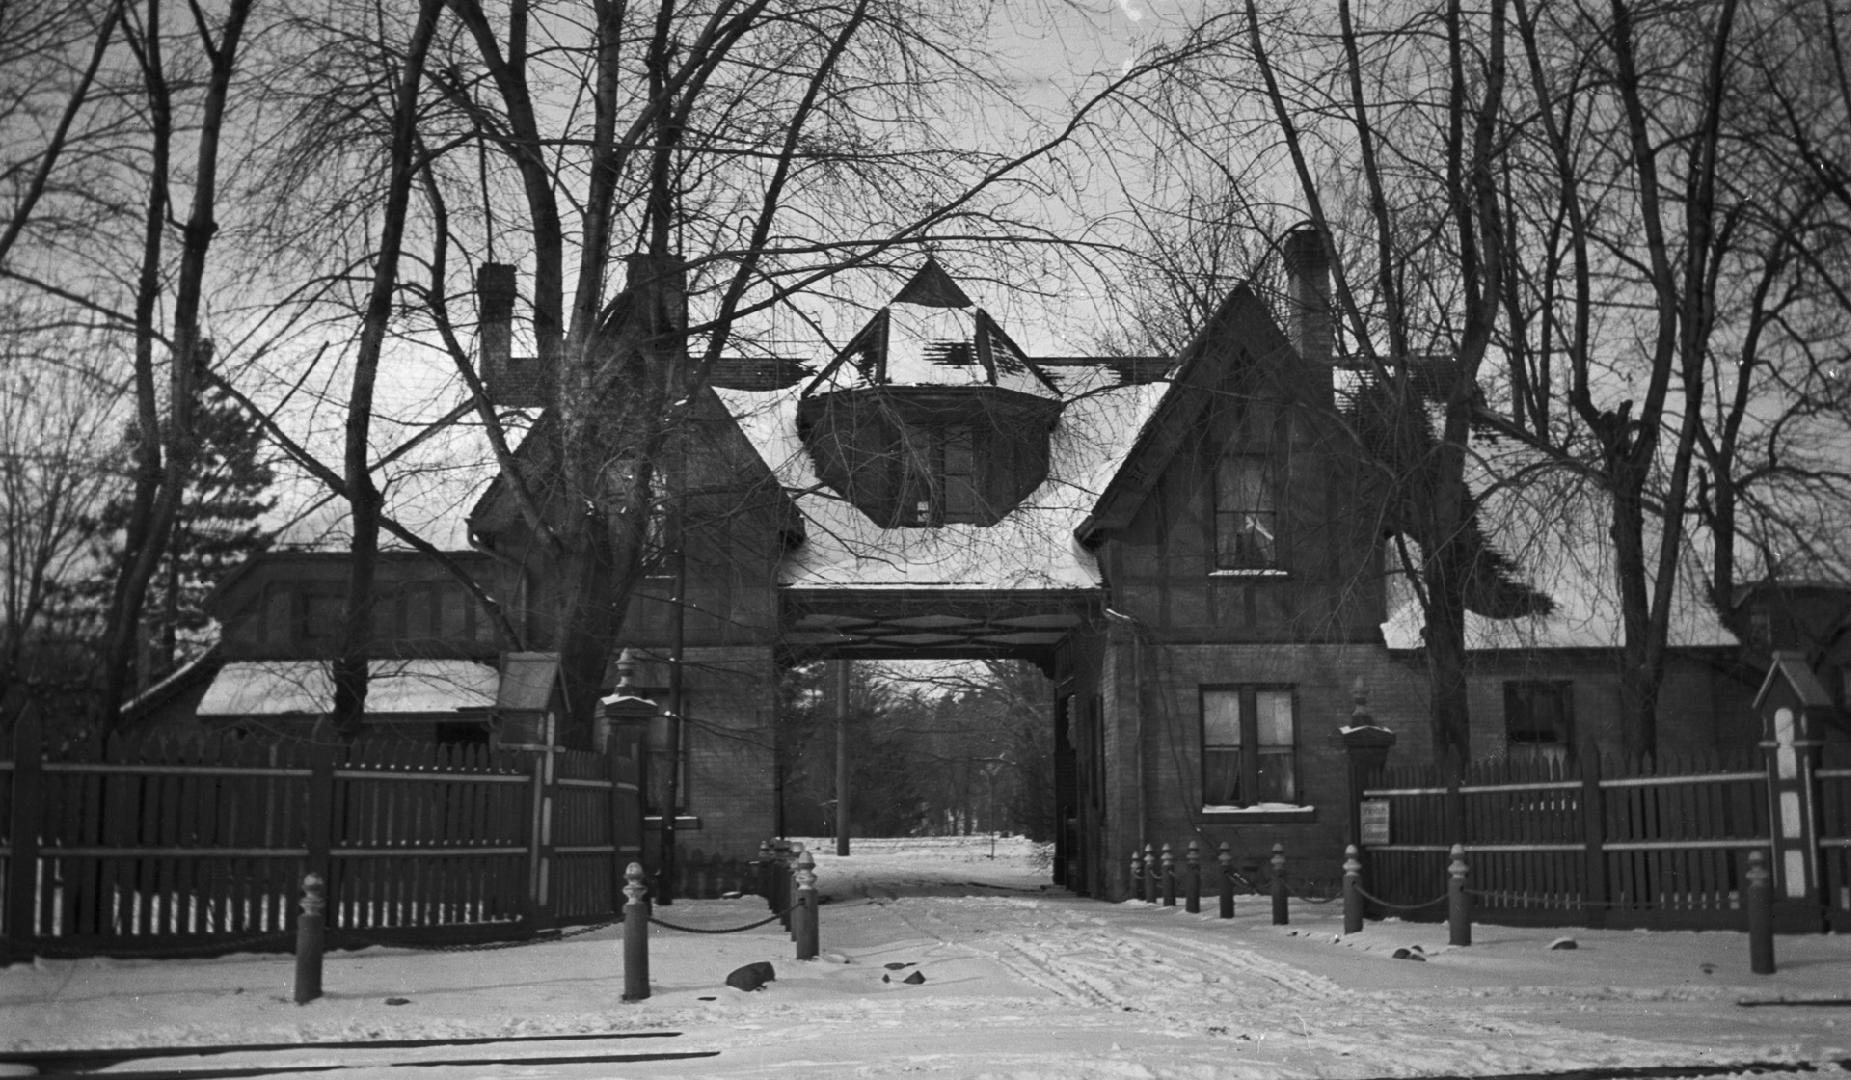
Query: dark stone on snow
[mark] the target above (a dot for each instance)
(915, 978)
(896, 965)
(1564, 943)
(752, 977)
(398, 1001)
(1408, 954)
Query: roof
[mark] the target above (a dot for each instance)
(1240, 329)
(932, 335)
(1032, 548)
(306, 687)
(1566, 553)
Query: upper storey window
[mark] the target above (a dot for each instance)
(1246, 514)
(942, 482)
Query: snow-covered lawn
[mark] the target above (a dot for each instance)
(1021, 981)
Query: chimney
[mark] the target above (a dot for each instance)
(1307, 291)
(495, 328)
(661, 284)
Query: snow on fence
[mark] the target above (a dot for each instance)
(1660, 844)
(162, 846)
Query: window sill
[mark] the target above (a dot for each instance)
(1264, 814)
(1258, 571)
(683, 822)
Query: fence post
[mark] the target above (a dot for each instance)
(1192, 891)
(321, 818)
(806, 911)
(311, 938)
(1594, 829)
(635, 934)
(1168, 862)
(1759, 900)
(1458, 904)
(540, 840)
(21, 938)
(1137, 873)
(1280, 916)
(1352, 890)
(1226, 860)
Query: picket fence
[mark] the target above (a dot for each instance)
(163, 846)
(1659, 843)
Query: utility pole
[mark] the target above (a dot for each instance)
(843, 667)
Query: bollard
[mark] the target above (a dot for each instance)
(1168, 861)
(791, 899)
(1759, 900)
(1226, 859)
(1151, 869)
(1458, 904)
(764, 874)
(635, 935)
(1280, 917)
(311, 939)
(1352, 890)
(804, 915)
(1137, 874)
(1192, 892)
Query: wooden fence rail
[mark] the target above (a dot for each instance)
(1661, 844)
(164, 846)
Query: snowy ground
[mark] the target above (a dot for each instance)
(1021, 981)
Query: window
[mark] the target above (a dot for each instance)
(940, 476)
(1246, 514)
(660, 755)
(1539, 719)
(1249, 754)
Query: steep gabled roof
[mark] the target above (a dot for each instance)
(1240, 332)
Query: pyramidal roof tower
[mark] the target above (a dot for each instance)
(930, 415)
(931, 334)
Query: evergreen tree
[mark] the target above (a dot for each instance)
(220, 524)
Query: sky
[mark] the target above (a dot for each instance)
(1022, 981)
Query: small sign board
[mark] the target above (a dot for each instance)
(1375, 822)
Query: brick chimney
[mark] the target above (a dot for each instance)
(1307, 292)
(495, 326)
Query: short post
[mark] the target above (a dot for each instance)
(764, 875)
(635, 935)
(1458, 904)
(311, 938)
(1192, 883)
(1226, 860)
(804, 915)
(1169, 877)
(1137, 873)
(1352, 890)
(1151, 869)
(1759, 900)
(789, 875)
(1280, 917)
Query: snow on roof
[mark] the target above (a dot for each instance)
(1032, 548)
(283, 687)
(1558, 537)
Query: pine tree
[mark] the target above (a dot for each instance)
(220, 525)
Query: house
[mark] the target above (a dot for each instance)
(1193, 552)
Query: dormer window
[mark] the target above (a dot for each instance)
(1246, 514)
(941, 479)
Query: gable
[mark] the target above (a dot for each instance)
(1240, 344)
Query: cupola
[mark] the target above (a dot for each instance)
(930, 415)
